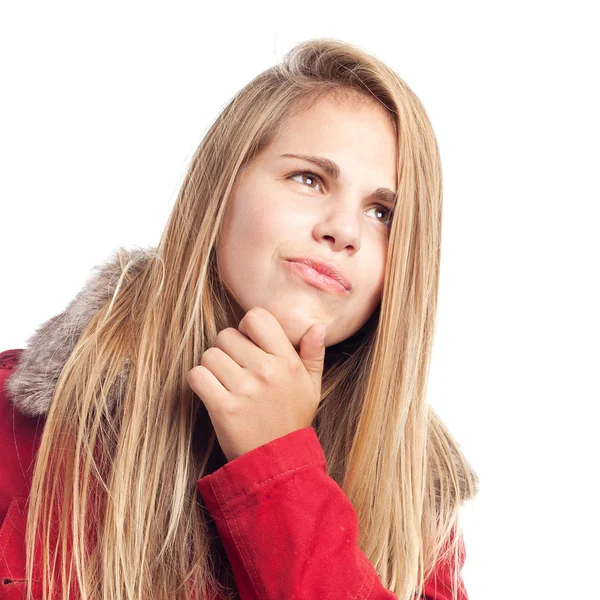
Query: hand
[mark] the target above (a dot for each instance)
(254, 384)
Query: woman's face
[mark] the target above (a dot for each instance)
(275, 216)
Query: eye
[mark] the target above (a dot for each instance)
(309, 174)
(389, 212)
(315, 177)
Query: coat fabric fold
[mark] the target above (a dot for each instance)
(288, 529)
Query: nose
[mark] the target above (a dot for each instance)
(341, 229)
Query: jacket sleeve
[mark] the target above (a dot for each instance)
(289, 530)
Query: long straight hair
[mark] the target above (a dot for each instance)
(113, 504)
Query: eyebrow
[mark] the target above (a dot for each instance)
(333, 170)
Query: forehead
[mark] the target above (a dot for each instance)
(358, 135)
(332, 112)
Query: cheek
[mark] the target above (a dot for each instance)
(255, 227)
(260, 222)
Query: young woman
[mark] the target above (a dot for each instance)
(182, 430)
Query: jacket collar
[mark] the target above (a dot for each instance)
(33, 380)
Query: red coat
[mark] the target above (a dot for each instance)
(287, 527)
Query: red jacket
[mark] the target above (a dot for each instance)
(287, 527)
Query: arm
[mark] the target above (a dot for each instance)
(288, 528)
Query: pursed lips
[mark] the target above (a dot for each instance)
(316, 277)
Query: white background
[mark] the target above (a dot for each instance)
(102, 106)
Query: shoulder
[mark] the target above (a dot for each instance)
(19, 438)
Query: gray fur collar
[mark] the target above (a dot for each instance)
(33, 380)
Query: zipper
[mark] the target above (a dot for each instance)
(10, 581)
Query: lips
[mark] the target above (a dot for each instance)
(326, 268)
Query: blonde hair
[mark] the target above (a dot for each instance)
(114, 488)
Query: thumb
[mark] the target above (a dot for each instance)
(312, 351)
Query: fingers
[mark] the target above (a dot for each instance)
(208, 388)
(227, 371)
(240, 348)
(266, 332)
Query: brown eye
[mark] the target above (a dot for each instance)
(310, 175)
(388, 211)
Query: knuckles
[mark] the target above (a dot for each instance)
(269, 372)
(266, 372)
(194, 376)
(231, 409)
(256, 311)
(272, 371)
(254, 315)
(224, 334)
(209, 354)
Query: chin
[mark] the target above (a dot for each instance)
(294, 319)
(295, 327)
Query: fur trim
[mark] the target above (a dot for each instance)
(33, 380)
